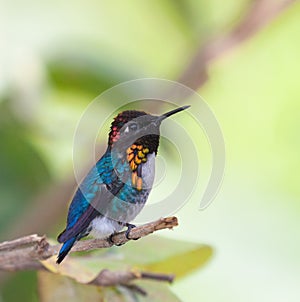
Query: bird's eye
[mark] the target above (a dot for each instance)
(131, 127)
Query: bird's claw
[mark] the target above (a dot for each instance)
(110, 239)
(127, 233)
(112, 242)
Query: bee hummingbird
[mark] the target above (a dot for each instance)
(117, 187)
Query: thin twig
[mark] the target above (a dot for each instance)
(135, 288)
(161, 277)
(111, 278)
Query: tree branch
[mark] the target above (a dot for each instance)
(24, 253)
(257, 17)
(110, 278)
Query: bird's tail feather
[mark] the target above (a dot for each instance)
(65, 249)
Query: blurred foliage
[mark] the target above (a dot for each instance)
(23, 287)
(51, 70)
(85, 73)
(22, 167)
(59, 288)
(176, 257)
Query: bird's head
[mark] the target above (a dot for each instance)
(137, 128)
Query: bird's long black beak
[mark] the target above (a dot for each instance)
(167, 114)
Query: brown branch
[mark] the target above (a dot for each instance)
(24, 253)
(111, 278)
(135, 288)
(258, 16)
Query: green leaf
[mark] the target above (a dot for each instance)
(182, 264)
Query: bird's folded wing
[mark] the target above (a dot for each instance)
(97, 207)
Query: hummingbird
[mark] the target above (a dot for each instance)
(117, 187)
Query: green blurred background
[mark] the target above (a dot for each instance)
(58, 56)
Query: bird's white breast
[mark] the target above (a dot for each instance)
(148, 171)
(102, 227)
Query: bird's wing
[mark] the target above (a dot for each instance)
(101, 198)
(92, 199)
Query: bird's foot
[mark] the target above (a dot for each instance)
(111, 240)
(129, 228)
